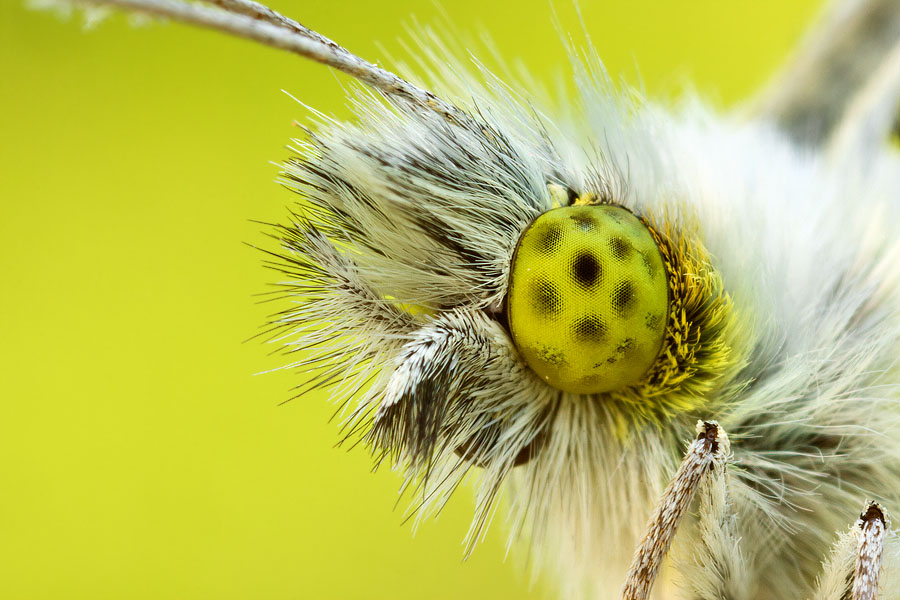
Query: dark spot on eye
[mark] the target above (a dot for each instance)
(583, 222)
(615, 215)
(545, 297)
(623, 350)
(589, 329)
(591, 381)
(620, 248)
(623, 297)
(548, 238)
(550, 355)
(652, 321)
(586, 269)
(645, 260)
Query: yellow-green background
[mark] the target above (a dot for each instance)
(139, 455)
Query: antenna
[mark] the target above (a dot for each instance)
(254, 21)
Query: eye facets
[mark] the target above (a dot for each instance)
(588, 298)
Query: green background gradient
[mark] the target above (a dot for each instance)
(139, 456)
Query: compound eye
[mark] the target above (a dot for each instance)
(588, 298)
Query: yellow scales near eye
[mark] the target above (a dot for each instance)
(588, 298)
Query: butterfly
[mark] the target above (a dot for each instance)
(645, 324)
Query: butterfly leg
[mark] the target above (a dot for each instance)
(702, 470)
(854, 569)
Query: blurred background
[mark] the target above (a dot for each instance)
(140, 457)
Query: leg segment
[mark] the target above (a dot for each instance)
(706, 454)
(870, 531)
(710, 564)
(853, 571)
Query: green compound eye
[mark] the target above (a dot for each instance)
(588, 298)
